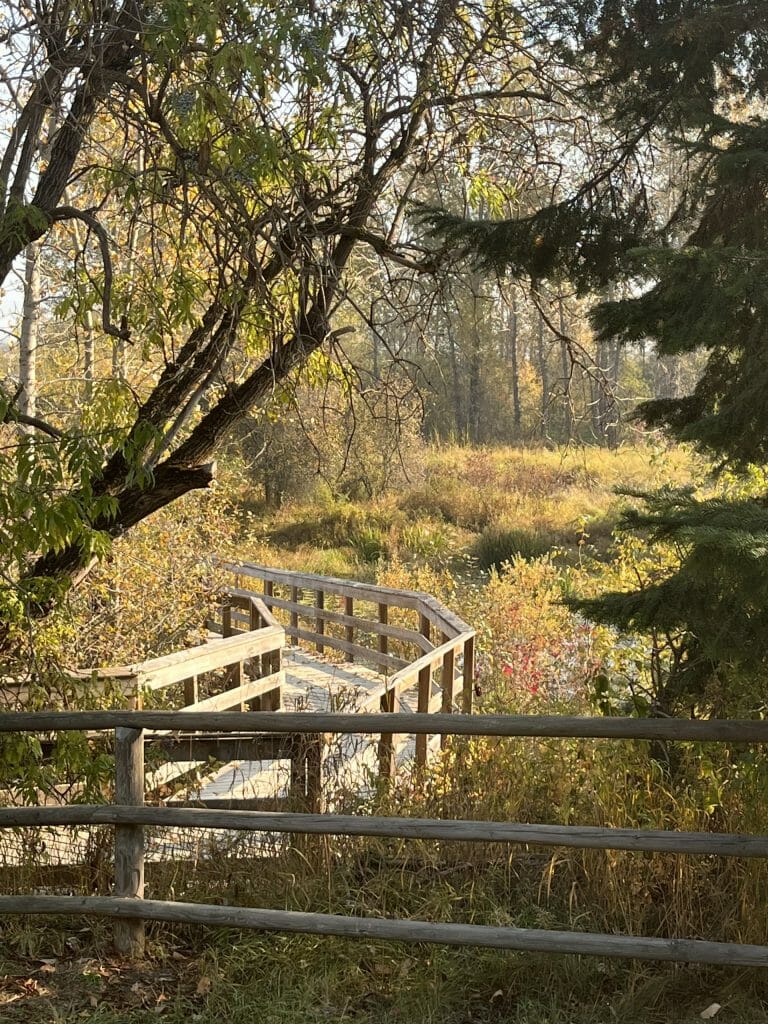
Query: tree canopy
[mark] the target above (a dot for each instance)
(207, 175)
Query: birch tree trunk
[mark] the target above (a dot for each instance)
(29, 332)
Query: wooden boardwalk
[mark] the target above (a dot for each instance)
(312, 683)
(404, 651)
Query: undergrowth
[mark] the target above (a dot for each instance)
(463, 513)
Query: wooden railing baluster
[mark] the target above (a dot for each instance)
(424, 625)
(424, 693)
(294, 616)
(349, 632)
(319, 620)
(191, 691)
(448, 675)
(468, 675)
(383, 620)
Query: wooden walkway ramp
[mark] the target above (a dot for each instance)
(350, 763)
(285, 641)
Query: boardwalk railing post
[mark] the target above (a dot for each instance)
(447, 681)
(275, 661)
(319, 619)
(383, 620)
(129, 839)
(349, 633)
(390, 702)
(191, 691)
(469, 676)
(424, 626)
(255, 622)
(294, 615)
(425, 686)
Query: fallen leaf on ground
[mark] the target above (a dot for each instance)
(710, 1011)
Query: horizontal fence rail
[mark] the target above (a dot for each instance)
(581, 837)
(745, 730)
(525, 939)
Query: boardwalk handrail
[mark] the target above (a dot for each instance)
(439, 616)
(442, 640)
(217, 653)
(129, 817)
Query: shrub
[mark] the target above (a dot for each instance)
(499, 544)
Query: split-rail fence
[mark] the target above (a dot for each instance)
(209, 725)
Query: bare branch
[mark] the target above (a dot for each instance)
(62, 213)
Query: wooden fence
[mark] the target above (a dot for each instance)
(130, 816)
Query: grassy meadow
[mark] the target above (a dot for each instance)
(500, 536)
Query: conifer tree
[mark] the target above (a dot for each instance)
(693, 75)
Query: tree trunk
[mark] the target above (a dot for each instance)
(543, 375)
(566, 369)
(612, 430)
(29, 333)
(459, 418)
(89, 341)
(513, 364)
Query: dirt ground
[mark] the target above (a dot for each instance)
(63, 989)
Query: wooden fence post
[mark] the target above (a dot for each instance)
(469, 676)
(129, 839)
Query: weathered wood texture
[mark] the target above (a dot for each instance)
(746, 730)
(157, 673)
(534, 939)
(352, 622)
(437, 614)
(129, 838)
(467, 831)
(238, 695)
